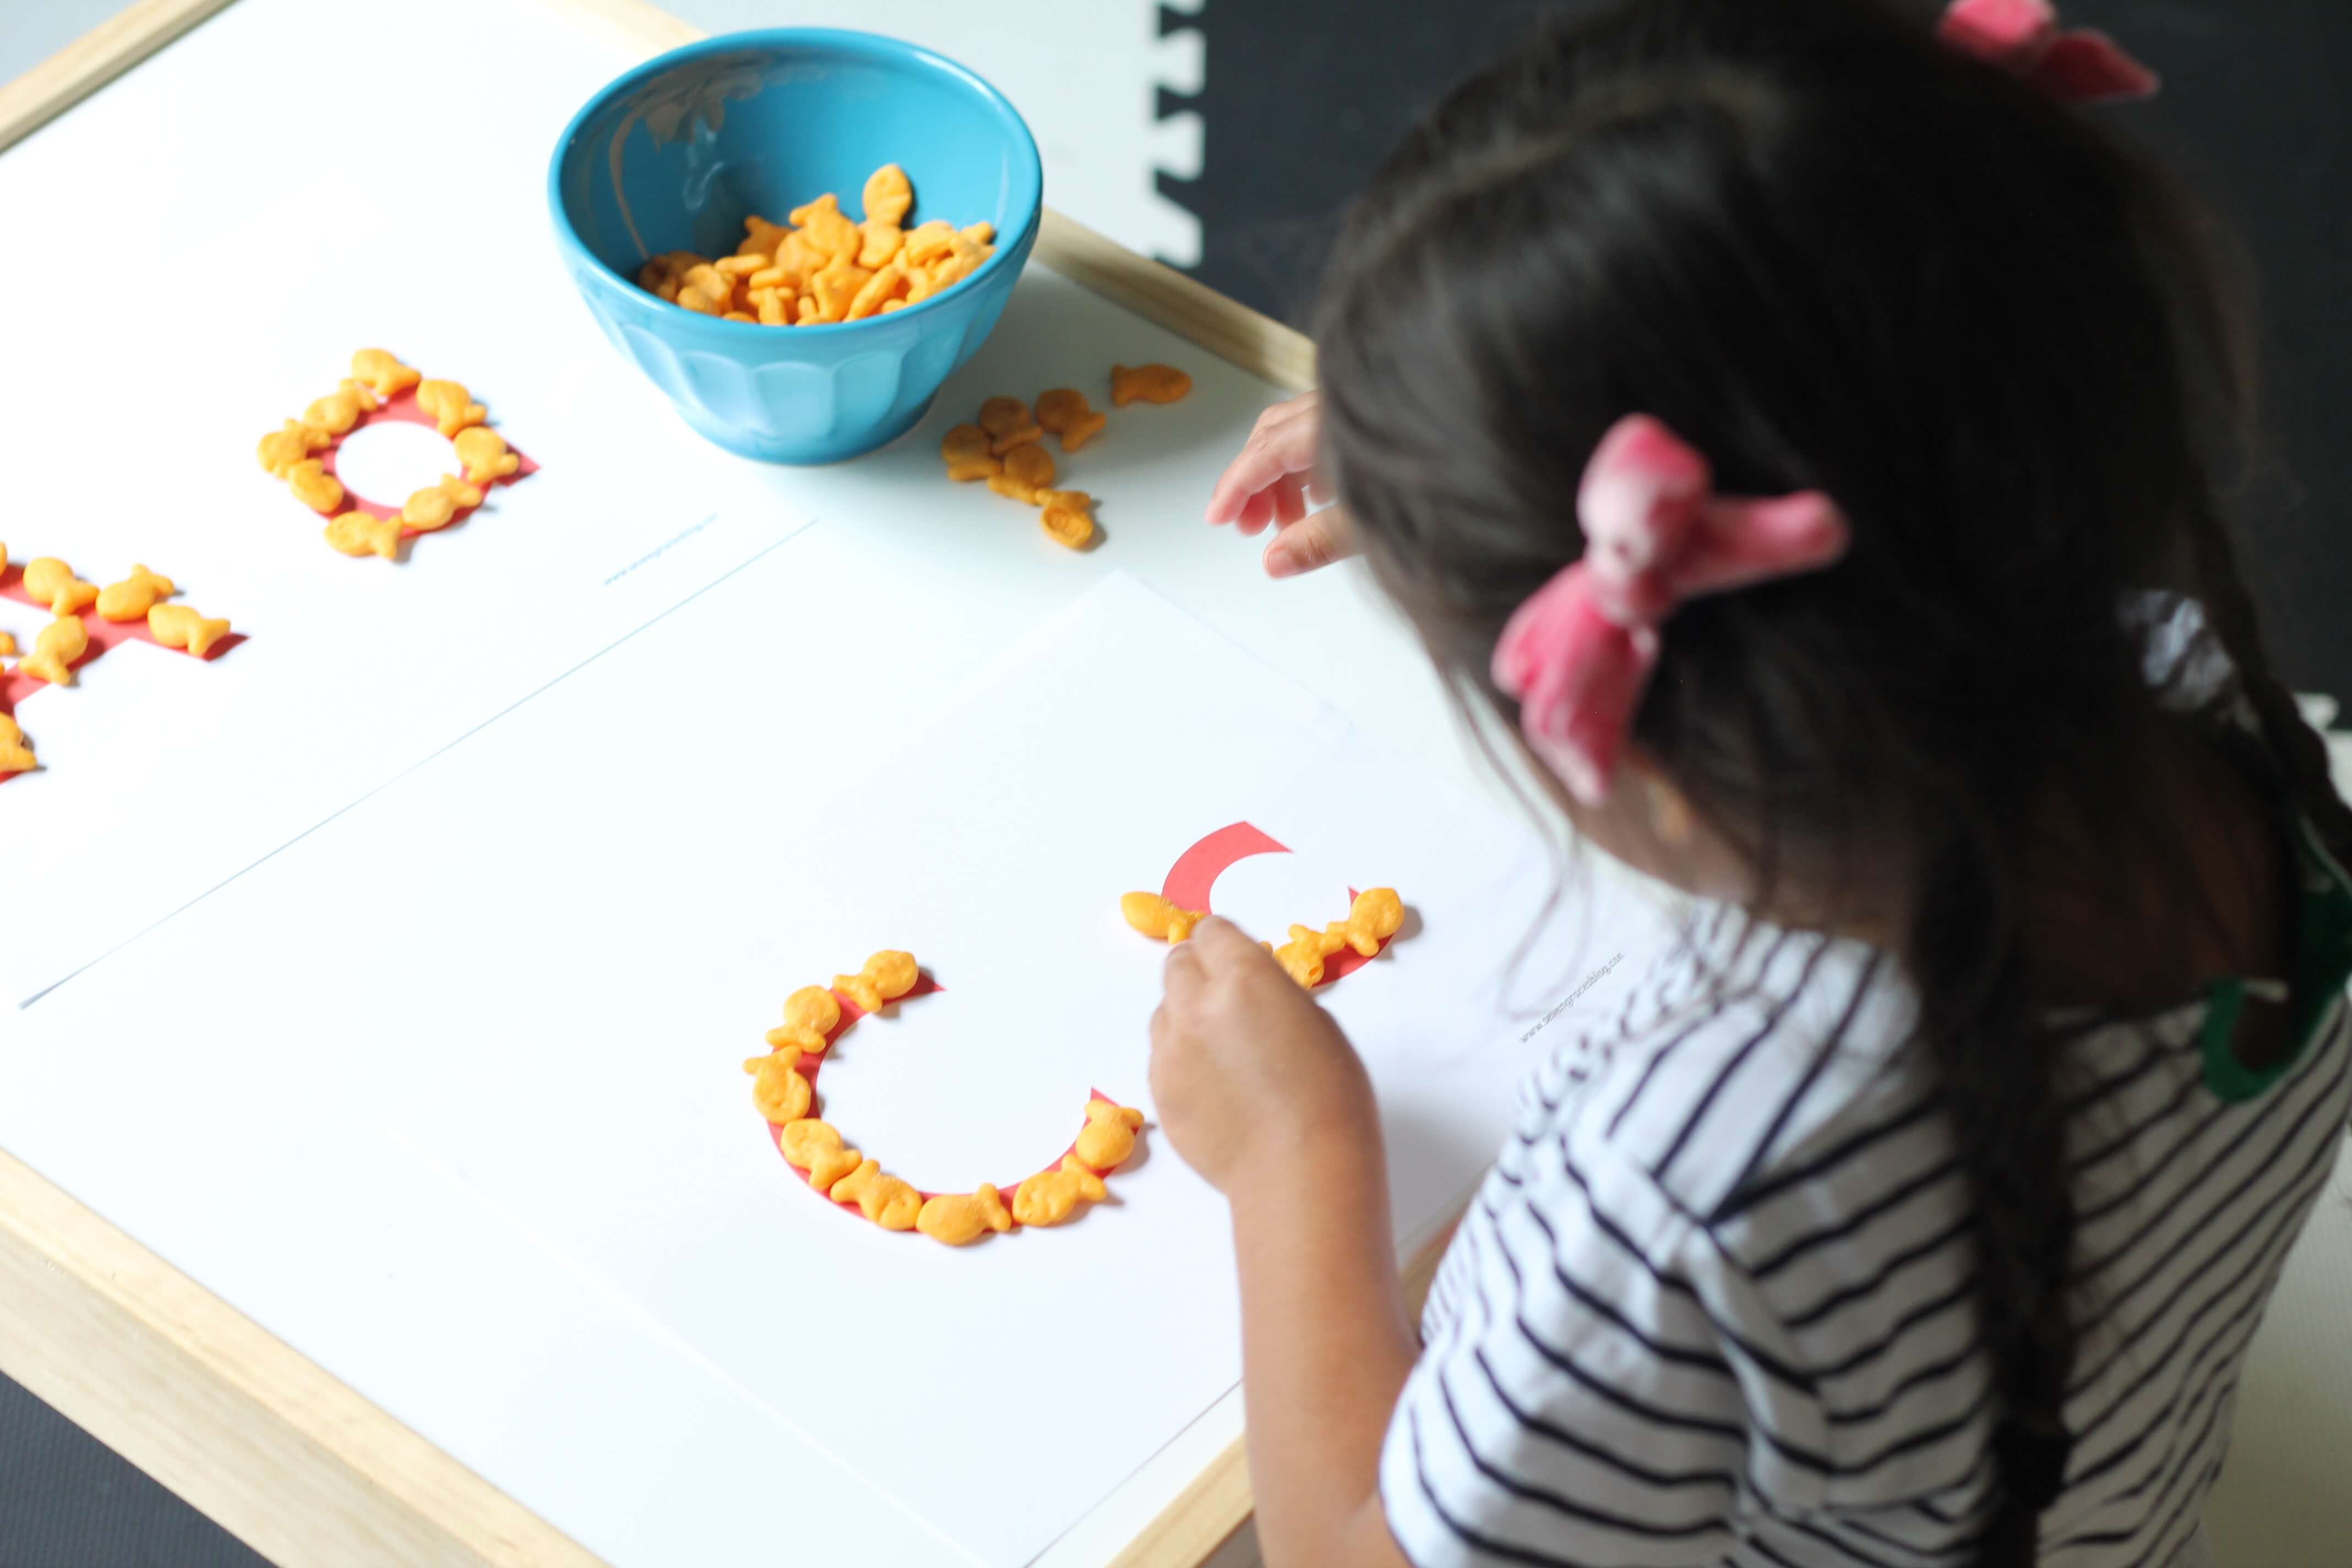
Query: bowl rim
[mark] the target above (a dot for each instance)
(848, 40)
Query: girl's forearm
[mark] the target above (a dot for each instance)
(1326, 1346)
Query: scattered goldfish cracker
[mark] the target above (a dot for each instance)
(15, 757)
(314, 487)
(888, 194)
(49, 582)
(1372, 918)
(382, 372)
(357, 533)
(180, 626)
(130, 599)
(1066, 519)
(1066, 412)
(1156, 917)
(965, 449)
(779, 1088)
(451, 408)
(808, 1042)
(814, 1008)
(438, 505)
(484, 453)
(1150, 382)
(1049, 1196)
(281, 449)
(1008, 424)
(1302, 956)
(8, 643)
(341, 409)
(1110, 1134)
(816, 1147)
(885, 1200)
(957, 1218)
(61, 642)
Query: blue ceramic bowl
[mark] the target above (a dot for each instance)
(673, 156)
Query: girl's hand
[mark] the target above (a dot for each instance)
(1246, 1069)
(1274, 481)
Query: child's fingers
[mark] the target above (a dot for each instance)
(1314, 542)
(1284, 442)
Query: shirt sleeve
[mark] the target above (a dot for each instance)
(1589, 1402)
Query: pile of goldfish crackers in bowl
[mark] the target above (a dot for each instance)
(820, 268)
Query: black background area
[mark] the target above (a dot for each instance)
(1303, 97)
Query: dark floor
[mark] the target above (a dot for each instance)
(1302, 96)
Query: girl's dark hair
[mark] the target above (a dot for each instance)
(1832, 253)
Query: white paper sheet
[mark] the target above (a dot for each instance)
(163, 777)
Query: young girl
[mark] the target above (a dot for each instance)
(1804, 431)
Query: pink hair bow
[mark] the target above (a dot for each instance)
(1577, 654)
(2023, 36)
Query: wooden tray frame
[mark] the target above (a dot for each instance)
(247, 1430)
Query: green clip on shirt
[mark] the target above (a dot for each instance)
(2322, 964)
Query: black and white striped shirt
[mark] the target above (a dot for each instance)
(1716, 1302)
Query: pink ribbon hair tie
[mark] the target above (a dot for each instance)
(1577, 654)
(2076, 65)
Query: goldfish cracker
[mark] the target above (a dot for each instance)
(1032, 466)
(15, 757)
(833, 237)
(1065, 411)
(1375, 916)
(1009, 425)
(130, 599)
(49, 582)
(877, 289)
(769, 305)
(357, 533)
(761, 237)
(808, 1042)
(964, 449)
(816, 1147)
(1150, 383)
(438, 505)
(1109, 1137)
(61, 642)
(837, 289)
(282, 448)
(810, 315)
(484, 453)
(885, 1200)
(740, 266)
(957, 1219)
(879, 242)
(890, 305)
(962, 260)
(888, 975)
(8, 643)
(341, 409)
(1302, 956)
(741, 316)
(451, 408)
(980, 233)
(1066, 519)
(808, 212)
(779, 1088)
(314, 487)
(1050, 1196)
(382, 372)
(813, 1007)
(179, 626)
(888, 194)
(1156, 917)
(928, 242)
